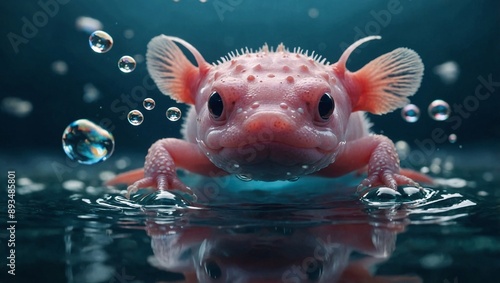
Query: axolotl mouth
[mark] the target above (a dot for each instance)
(270, 160)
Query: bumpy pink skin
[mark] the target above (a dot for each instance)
(270, 129)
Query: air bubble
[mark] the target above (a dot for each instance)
(135, 117)
(100, 41)
(173, 114)
(452, 138)
(403, 149)
(387, 197)
(439, 110)
(126, 64)
(410, 113)
(87, 143)
(149, 104)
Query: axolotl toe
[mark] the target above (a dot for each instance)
(277, 115)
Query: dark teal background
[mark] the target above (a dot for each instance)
(467, 32)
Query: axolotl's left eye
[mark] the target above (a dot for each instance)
(326, 106)
(215, 105)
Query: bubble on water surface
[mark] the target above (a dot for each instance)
(87, 143)
(243, 177)
(135, 117)
(410, 113)
(173, 114)
(439, 110)
(100, 41)
(386, 197)
(126, 64)
(149, 104)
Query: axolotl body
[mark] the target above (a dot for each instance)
(277, 115)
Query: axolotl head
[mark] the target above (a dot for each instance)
(277, 114)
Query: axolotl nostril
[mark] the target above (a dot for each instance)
(277, 115)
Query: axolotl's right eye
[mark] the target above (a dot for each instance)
(215, 105)
(326, 106)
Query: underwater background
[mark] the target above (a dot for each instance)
(72, 229)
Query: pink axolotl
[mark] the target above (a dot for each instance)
(277, 115)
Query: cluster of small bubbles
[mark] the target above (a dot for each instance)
(126, 64)
(135, 117)
(149, 104)
(100, 41)
(173, 114)
(410, 113)
(452, 138)
(439, 110)
(244, 177)
(87, 143)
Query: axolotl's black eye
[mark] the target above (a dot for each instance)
(215, 105)
(326, 106)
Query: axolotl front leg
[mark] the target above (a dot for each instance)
(162, 160)
(379, 154)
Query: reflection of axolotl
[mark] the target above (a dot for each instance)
(285, 254)
(277, 115)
